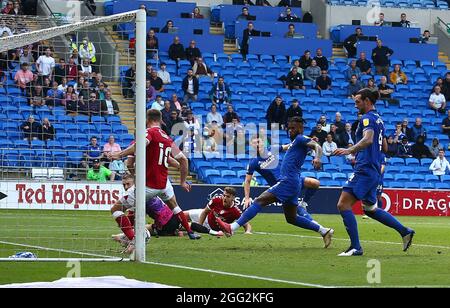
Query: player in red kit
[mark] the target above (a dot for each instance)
(160, 149)
(224, 207)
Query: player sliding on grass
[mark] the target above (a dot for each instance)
(362, 185)
(159, 150)
(268, 166)
(224, 207)
(289, 185)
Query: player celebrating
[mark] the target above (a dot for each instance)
(288, 187)
(159, 150)
(362, 185)
(268, 166)
(224, 207)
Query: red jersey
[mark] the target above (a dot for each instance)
(159, 148)
(228, 215)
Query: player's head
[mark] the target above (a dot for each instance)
(229, 193)
(257, 143)
(295, 127)
(127, 181)
(154, 117)
(365, 100)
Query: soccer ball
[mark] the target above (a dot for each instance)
(147, 236)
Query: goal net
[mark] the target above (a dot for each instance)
(67, 99)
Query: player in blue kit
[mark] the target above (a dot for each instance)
(288, 186)
(362, 185)
(268, 166)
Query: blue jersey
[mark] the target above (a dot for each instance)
(294, 158)
(269, 168)
(370, 158)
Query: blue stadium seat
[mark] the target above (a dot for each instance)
(412, 185)
(428, 185)
(401, 177)
(339, 176)
(412, 162)
(442, 185)
(308, 174)
(331, 168)
(228, 174)
(211, 172)
(396, 161)
(431, 178)
(397, 184)
(323, 175)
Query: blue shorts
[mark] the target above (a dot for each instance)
(363, 185)
(380, 188)
(287, 191)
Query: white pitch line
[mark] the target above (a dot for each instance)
(343, 239)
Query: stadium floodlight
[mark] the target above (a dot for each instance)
(64, 220)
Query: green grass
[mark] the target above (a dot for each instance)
(292, 256)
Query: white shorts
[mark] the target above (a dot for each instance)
(164, 194)
(194, 215)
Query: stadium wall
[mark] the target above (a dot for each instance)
(443, 38)
(95, 196)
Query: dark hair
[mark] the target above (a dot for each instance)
(367, 93)
(297, 120)
(230, 190)
(154, 115)
(291, 25)
(127, 176)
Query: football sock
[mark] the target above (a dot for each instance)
(352, 228)
(184, 222)
(308, 194)
(388, 220)
(124, 224)
(301, 211)
(131, 217)
(212, 232)
(305, 223)
(199, 228)
(248, 215)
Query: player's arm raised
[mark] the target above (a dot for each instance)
(365, 142)
(317, 161)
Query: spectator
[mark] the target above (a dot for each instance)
(32, 130)
(201, 69)
(354, 86)
(150, 91)
(350, 42)
(156, 82)
(191, 138)
(418, 130)
(380, 22)
(297, 66)
(60, 70)
(420, 150)
(84, 91)
(37, 96)
(276, 114)
(190, 87)
(425, 37)
(48, 131)
(294, 80)
(293, 111)
(47, 85)
(329, 146)
(23, 78)
(437, 100)
(129, 82)
(192, 124)
(214, 116)
(168, 27)
(87, 51)
(72, 103)
(97, 80)
(325, 126)
(2, 79)
(446, 125)
(340, 125)
(148, 71)
(247, 33)
(385, 89)
(288, 16)
(356, 123)
(164, 74)
(399, 134)
(210, 147)
(397, 76)
(321, 60)
(93, 105)
(220, 92)
(305, 60)
(313, 71)
(93, 151)
(380, 58)
(230, 115)
(406, 130)
(86, 69)
(352, 70)
(405, 23)
(108, 105)
(173, 120)
(372, 86)
(158, 104)
(404, 148)
(446, 87)
(364, 65)
(245, 15)
(26, 56)
(291, 32)
(435, 147)
(319, 133)
(54, 96)
(348, 136)
(8, 9)
(336, 137)
(440, 165)
(99, 173)
(392, 147)
(307, 17)
(17, 10)
(193, 53)
(176, 50)
(323, 82)
(175, 104)
(152, 44)
(72, 70)
(196, 13)
(111, 147)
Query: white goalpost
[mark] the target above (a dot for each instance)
(48, 205)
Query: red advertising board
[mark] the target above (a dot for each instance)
(405, 202)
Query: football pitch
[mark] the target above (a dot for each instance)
(276, 255)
